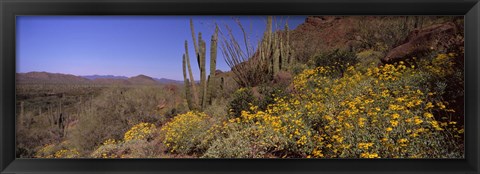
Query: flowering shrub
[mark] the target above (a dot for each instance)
(240, 100)
(380, 113)
(46, 151)
(276, 132)
(185, 132)
(136, 144)
(390, 111)
(108, 149)
(141, 131)
(61, 150)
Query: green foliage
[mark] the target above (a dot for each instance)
(338, 59)
(266, 95)
(367, 58)
(242, 99)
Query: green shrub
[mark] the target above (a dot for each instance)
(338, 59)
(241, 101)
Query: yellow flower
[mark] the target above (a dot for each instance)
(369, 155)
(418, 121)
(428, 115)
(429, 105)
(395, 116)
(394, 123)
(365, 145)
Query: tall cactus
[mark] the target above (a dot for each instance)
(187, 83)
(285, 49)
(191, 82)
(275, 49)
(201, 65)
(206, 88)
(213, 65)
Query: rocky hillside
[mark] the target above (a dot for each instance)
(357, 33)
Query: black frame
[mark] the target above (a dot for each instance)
(11, 8)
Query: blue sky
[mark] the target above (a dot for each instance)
(122, 45)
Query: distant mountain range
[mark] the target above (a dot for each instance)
(58, 78)
(93, 77)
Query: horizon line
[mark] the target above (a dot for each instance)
(100, 75)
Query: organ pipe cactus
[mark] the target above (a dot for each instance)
(206, 88)
(275, 49)
(187, 83)
(213, 66)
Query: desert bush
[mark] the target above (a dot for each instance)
(276, 132)
(383, 112)
(282, 79)
(138, 142)
(337, 59)
(120, 109)
(265, 95)
(384, 33)
(390, 111)
(61, 150)
(137, 148)
(142, 131)
(366, 58)
(241, 100)
(218, 109)
(298, 68)
(185, 132)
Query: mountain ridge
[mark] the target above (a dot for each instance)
(61, 78)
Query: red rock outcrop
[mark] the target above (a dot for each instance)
(421, 40)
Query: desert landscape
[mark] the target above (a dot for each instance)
(307, 87)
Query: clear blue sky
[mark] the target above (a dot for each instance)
(122, 45)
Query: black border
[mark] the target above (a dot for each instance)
(10, 8)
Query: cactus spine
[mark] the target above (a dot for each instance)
(206, 88)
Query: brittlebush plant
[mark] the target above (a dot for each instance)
(389, 111)
(62, 150)
(379, 113)
(185, 132)
(141, 131)
(135, 144)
